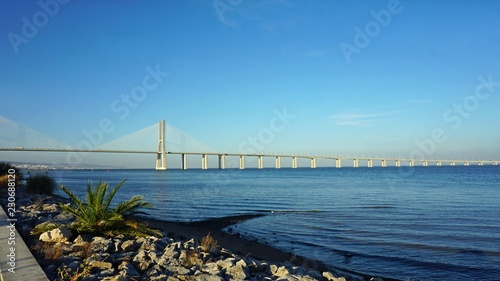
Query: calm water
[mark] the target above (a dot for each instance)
(427, 223)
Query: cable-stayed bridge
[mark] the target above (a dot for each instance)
(161, 139)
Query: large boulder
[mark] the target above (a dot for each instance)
(60, 234)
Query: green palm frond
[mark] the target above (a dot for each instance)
(95, 215)
(132, 206)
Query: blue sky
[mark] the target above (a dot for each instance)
(358, 77)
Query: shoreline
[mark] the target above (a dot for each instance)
(186, 231)
(241, 245)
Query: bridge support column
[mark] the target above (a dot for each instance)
(204, 161)
(222, 161)
(384, 163)
(411, 163)
(495, 163)
(242, 162)
(338, 163)
(452, 163)
(481, 163)
(466, 163)
(260, 162)
(294, 162)
(313, 163)
(161, 157)
(398, 163)
(278, 162)
(184, 165)
(355, 163)
(370, 163)
(425, 163)
(439, 163)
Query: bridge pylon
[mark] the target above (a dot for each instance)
(161, 156)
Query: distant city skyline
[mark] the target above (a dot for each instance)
(318, 77)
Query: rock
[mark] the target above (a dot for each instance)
(127, 269)
(50, 207)
(101, 264)
(329, 276)
(129, 246)
(225, 264)
(211, 268)
(101, 244)
(117, 278)
(206, 277)
(279, 271)
(64, 218)
(237, 272)
(61, 234)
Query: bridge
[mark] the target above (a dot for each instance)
(338, 161)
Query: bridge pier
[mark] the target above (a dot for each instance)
(438, 163)
(355, 163)
(204, 161)
(480, 163)
(278, 162)
(184, 165)
(242, 162)
(452, 163)
(313, 163)
(260, 162)
(338, 163)
(295, 163)
(425, 163)
(384, 163)
(222, 161)
(398, 163)
(161, 156)
(370, 163)
(466, 163)
(411, 163)
(495, 163)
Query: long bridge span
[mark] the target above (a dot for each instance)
(161, 160)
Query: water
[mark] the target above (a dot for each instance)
(425, 223)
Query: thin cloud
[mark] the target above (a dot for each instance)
(357, 119)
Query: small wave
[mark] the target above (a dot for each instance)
(290, 211)
(377, 207)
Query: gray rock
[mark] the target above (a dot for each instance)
(237, 273)
(101, 244)
(129, 246)
(329, 276)
(61, 234)
(211, 268)
(101, 264)
(227, 263)
(207, 277)
(280, 271)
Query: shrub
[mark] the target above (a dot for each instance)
(96, 216)
(209, 244)
(5, 175)
(40, 184)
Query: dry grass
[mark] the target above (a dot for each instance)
(85, 250)
(49, 251)
(209, 244)
(191, 259)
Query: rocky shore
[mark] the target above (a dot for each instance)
(181, 254)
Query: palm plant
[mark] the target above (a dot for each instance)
(96, 216)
